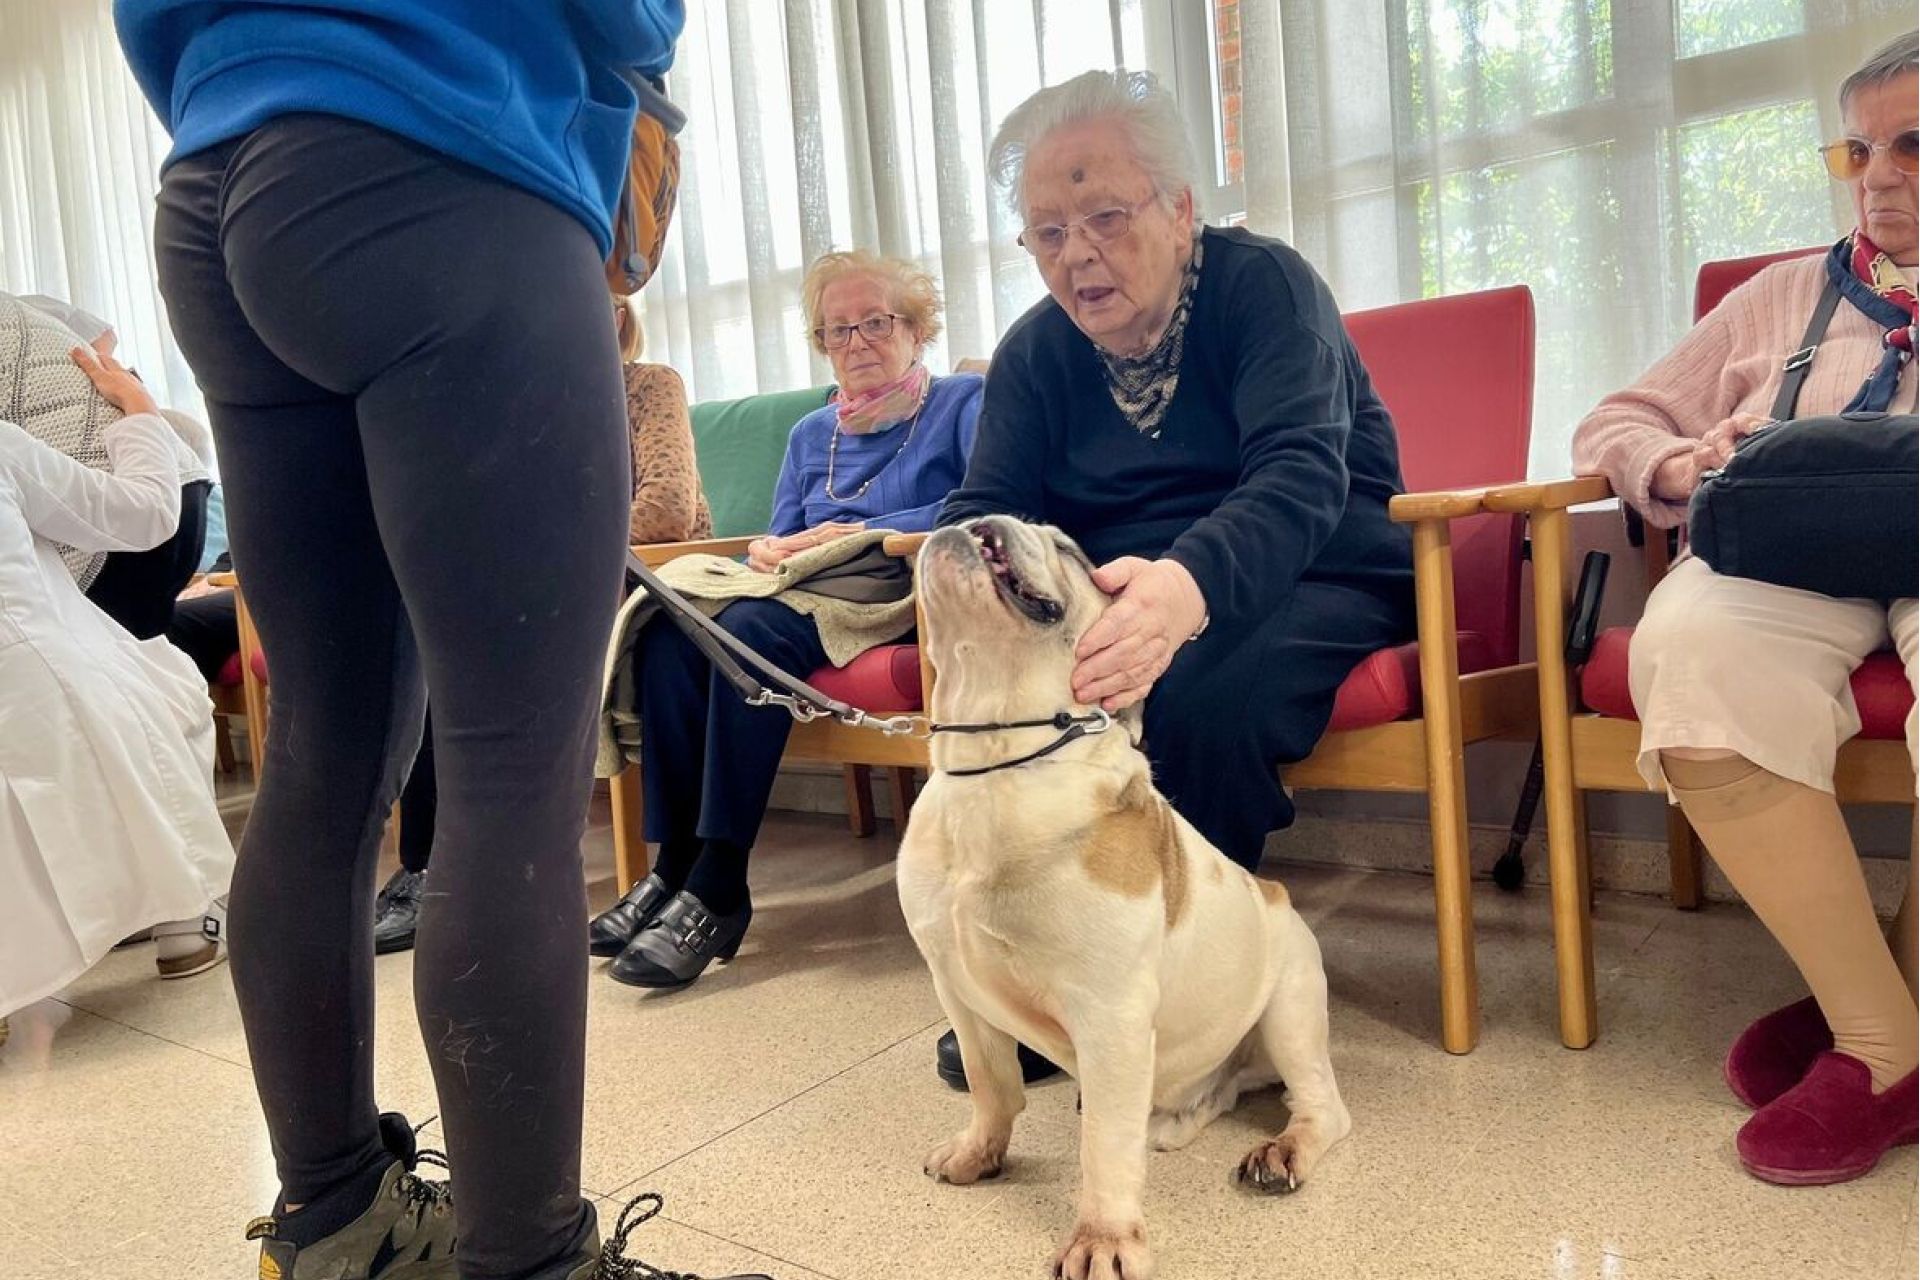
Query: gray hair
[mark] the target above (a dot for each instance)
(1898, 57)
(1134, 99)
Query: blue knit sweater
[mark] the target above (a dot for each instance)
(907, 490)
(529, 90)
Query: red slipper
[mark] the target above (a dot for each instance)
(1775, 1053)
(1831, 1127)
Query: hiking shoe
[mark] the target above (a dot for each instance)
(612, 1263)
(407, 1233)
(396, 912)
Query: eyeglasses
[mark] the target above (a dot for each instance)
(1047, 239)
(873, 329)
(1848, 158)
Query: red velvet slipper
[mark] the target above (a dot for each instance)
(1775, 1053)
(1831, 1127)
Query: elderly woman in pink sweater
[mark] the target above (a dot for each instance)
(1742, 687)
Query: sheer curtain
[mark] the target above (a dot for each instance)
(80, 157)
(831, 124)
(1596, 150)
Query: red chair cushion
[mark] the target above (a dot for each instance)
(229, 675)
(1880, 687)
(883, 679)
(1386, 686)
(1383, 688)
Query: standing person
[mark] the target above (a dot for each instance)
(382, 233)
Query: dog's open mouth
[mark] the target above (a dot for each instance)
(1014, 589)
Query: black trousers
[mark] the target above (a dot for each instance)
(137, 588)
(412, 377)
(1233, 709)
(707, 759)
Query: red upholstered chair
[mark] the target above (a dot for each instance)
(1457, 374)
(1591, 733)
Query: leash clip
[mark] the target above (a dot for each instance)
(804, 712)
(902, 726)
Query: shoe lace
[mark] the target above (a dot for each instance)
(418, 1190)
(614, 1262)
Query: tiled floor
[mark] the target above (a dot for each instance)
(783, 1104)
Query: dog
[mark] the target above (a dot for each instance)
(1061, 902)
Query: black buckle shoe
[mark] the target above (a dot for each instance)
(612, 1263)
(953, 1069)
(615, 927)
(396, 912)
(679, 945)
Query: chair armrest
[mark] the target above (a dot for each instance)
(1443, 504)
(228, 580)
(655, 554)
(1549, 495)
(904, 545)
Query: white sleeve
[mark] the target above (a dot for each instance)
(133, 507)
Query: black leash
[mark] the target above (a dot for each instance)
(774, 687)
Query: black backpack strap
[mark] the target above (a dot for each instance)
(1795, 370)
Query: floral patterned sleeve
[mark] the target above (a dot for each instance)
(667, 503)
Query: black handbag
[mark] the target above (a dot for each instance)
(1827, 504)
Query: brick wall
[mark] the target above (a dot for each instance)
(1226, 25)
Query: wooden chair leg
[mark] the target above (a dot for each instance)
(903, 780)
(223, 745)
(630, 859)
(252, 687)
(860, 817)
(1683, 860)
(1446, 791)
(1572, 921)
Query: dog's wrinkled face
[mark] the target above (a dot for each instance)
(999, 589)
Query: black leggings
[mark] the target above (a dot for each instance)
(137, 589)
(411, 373)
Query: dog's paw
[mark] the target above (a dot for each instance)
(1276, 1168)
(961, 1160)
(1095, 1252)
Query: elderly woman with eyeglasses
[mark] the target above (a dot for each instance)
(1187, 405)
(1743, 687)
(882, 455)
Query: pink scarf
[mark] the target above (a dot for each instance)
(884, 406)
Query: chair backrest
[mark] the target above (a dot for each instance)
(1718, 279)
(1457, 375)
(739, 446)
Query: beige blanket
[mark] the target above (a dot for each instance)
(859, 598)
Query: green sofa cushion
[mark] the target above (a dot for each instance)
(740, 445)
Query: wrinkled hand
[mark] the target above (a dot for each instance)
(1157, 607)
(114, 381)
(765, 554)
(1677, 477)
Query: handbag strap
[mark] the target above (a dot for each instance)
(1800, 362)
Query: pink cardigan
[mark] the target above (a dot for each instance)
(1729, 363)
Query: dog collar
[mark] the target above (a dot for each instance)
(1071, 728)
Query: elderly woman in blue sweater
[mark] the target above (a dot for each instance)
(883, 454)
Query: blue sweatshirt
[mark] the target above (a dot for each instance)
(909, 483)
(529, 90)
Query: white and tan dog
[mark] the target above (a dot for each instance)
(1064, 904)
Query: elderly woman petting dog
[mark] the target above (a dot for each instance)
(1743, 686)
(882, 455)
(1187, 406)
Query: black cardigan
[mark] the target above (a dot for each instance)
(1274, 463)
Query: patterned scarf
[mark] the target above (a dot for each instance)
(1142, 387)
(1868, 278)
(886, 405)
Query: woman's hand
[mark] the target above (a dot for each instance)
(113, 381)
(1157, 607)
(766, 554)
(1676, 478)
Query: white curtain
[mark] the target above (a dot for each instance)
(80, 159)
(1596, 150)
(833, 124)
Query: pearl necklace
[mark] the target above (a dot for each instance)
(833, 451)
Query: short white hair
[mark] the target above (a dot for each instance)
(1135, 100)
(1898, 57)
